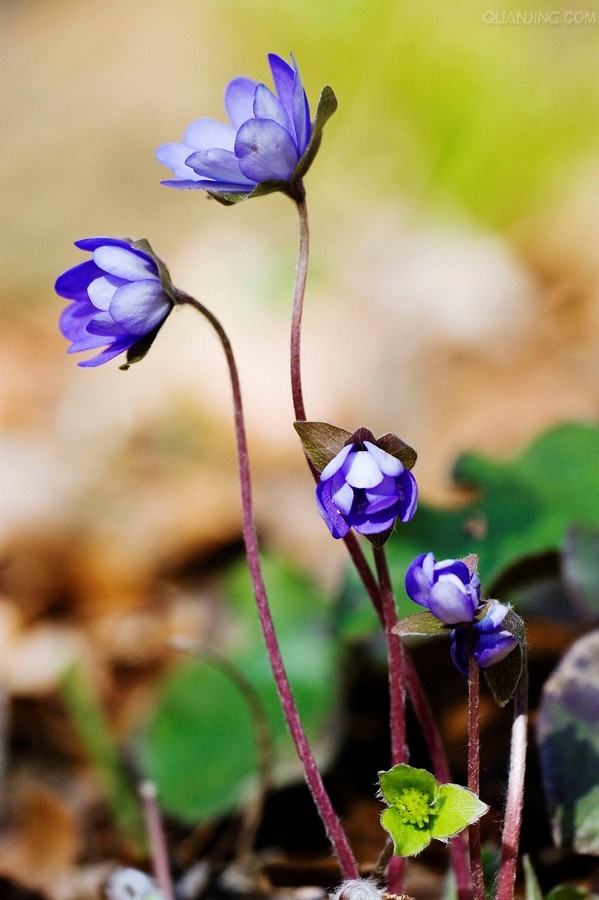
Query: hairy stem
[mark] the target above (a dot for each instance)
(157, 840)
(397, 697)
(330, 820)
(476, 867)
(515, 791)
(298, 306)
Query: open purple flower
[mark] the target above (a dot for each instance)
(448, 589)
(488, 641)
(121, 298)
(267, 136)
(365, 488)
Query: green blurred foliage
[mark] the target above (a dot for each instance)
(483, 118)
(200, 745)
(521, 507)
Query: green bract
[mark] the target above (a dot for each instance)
(421, 809)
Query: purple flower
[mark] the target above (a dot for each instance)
(448, 589)
(267, 136)
(365, 488)
(121, 297)
(488, 642)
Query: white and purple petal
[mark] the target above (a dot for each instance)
(102, 290)
(219, 165)
(491, 648)
(267, 106)
(266, 151)
(409, 487)
(337, 461)
(118, 347)
(203, 134)
(419, 578)
(301, 110)
(385, 462)
(140, 306)
(239, 100)
(126, 264)
(173, 156)
(73, 284)
(450, 602)
(362, 471)
(335, 522)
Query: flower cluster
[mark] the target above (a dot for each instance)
(120, 300)
(451, 592)
(365, 488)
(264, 142)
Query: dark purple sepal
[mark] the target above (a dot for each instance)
(379, 540)
(503, 677)
(140, 348)
(394, 446)
(265, 187)
(327, 104)
(144, 246)
(321, 441)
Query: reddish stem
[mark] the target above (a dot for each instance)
(330, 820)
(397, 697)
(298, 306)
(157, 840)
(476, 868)
(515, 791)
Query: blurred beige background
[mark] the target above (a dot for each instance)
(455, 226)
(452, 298)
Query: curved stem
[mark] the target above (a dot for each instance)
(476, 867)
(515, 791)
(331, 822)
(298, 306)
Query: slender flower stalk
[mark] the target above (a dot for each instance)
(298, 305)
(397, 697)
(157, 840)
(515, 791)
(330, 820)
(476, 867)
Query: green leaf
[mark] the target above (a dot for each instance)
(95, 734)
(199, 745)
(523, 506)
(321, 441)
(402, 777)
(455, 808)
(423, 623)
(568, 740)
(532, 888)
(199, 748)
(569, 892)
(327, 104)
(580, 569)
(408, 840)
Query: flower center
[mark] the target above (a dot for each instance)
(413, 807)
